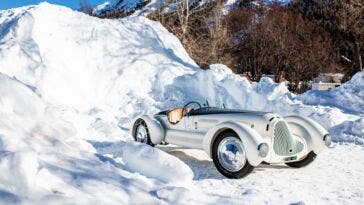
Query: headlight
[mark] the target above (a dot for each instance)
(263, 149)
(327, 139)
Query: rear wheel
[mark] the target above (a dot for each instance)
(141, 133)
(304, 162)
(229, 156)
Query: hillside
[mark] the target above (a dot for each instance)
(70, 84)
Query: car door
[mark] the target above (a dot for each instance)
(203, 123)
(180, 126)
(183, 134)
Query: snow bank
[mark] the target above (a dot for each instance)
(82, 62)
(349, 131)
(348, 97)
(220, 87)
(161, 165)
(42, 160)
(69, 85)
(148, 161)
(22, 103)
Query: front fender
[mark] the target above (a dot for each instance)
(155, 128)
(310, 130)
(249, 137)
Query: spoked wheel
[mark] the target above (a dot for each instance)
(141, 133)
(229, 156)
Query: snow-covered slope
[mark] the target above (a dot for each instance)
(74, 60)
(65, 79)
(44, 160)
(70, 84)
(348, 97)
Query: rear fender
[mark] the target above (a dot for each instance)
(155, 128)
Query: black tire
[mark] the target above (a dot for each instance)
(306, 161)
(244, 171)
(141, 122)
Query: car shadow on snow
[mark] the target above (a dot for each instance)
(198, 161)
(205, 168)
(202, 169)
(8, 198)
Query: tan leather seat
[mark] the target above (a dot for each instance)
(175, 115)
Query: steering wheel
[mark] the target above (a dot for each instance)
(191, 103)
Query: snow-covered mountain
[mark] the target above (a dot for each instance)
(130, 6)
(144, 7)
(70, 85)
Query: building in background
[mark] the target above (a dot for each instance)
(327, 81)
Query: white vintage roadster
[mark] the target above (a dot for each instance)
(236, 140)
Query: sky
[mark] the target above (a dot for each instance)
(74, 4)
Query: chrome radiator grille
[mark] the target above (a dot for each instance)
(284, 142)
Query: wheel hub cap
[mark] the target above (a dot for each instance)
(141, 134)
(231, 154)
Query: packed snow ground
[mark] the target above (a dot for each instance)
(70, 85)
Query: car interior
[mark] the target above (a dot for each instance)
(175, 115)
(192, 108)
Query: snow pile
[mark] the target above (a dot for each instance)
(348, 97)
(220, 87)
(349, 131)
(135, 155)
(348, 101)
(43, 159)
(67, 88)
(71, 59)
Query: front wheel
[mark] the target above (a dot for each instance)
(141, 133)
(304, 162)
(229, 156)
